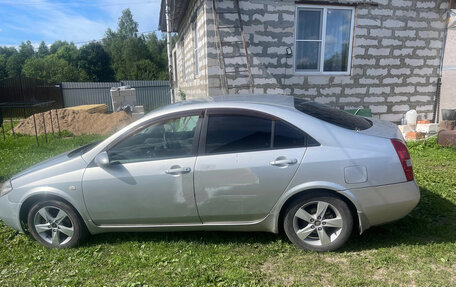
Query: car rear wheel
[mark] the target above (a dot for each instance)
(55, 224)
(318, 223)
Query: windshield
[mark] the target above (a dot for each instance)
(332, 115)
(82, 150)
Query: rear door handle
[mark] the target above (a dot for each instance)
(178, 170)
(283, 162)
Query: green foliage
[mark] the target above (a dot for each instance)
(415, 251)
(69, 53)
(3, 71)
(95, 61)
(121, 55)
(134, 57)
(182, 95)
(144, 70)
(14, 65)
(52, 69)
(57, 45)
(26, 50)
(43, 50)
(127, 27)
(417, 146)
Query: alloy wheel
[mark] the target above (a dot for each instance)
(53, 225)
(318, 223)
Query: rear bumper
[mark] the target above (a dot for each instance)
(386, 203)
(9, 213)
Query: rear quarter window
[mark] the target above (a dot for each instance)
(332, 115)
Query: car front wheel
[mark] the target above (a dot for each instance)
(55, 224)
(318, 223)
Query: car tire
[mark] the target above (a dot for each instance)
(318, 222)
(55, 224)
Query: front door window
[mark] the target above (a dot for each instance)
(167, 139)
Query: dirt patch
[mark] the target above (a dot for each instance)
(76, 122)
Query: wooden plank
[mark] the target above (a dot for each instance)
(98, 108)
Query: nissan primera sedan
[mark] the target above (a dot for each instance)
(256, 163)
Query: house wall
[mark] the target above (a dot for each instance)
(395, 63)
(188, 82)
(448, 89)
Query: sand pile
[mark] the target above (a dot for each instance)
(76, 122)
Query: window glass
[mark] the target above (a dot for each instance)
(308, 55)
(309, 24)
(167, 139)
(237, 133)
(195, 47)
(288, 136)
(323, 36)
(337, 43)
(332, 115)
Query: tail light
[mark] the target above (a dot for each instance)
(404, 157)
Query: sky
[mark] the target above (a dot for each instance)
(78, 21)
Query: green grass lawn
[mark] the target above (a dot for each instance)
(419, 250)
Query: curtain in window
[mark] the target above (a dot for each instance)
(337, 40)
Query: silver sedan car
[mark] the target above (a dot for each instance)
(234, 163)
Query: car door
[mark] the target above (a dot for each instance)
(246, 161)
(150, 176)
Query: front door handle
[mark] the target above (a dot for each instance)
(176, 170)
(283, 162)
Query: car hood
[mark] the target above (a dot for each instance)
(44, 164)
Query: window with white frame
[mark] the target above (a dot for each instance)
(195, 46)
(183, 58)
(323, 39)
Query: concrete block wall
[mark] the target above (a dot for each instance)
(396, 51)
(194, 86)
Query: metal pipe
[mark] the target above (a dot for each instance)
(52, 123)
(36, 132)
(44, 125)
(168, 47)
(58, 123)
(12, 126)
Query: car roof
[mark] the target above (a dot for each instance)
(242, 100)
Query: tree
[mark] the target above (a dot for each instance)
(95, 61)
(26, 50)
(3, 72)
(122, 55)
(43, 50)
(56, 46)
(127, 27)
(51, 69)
(144, 70)
(69, 53)
(157, 50)
(129, 52)
(17, 59)
(7, 51)
(14, 65)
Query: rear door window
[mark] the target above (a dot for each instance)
(288, 136)
(231, 133)
(237, 133)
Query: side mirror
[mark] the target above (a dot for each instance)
(102, 159)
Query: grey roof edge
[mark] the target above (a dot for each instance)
(178, 8)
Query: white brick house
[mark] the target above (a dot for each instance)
(379, 54)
